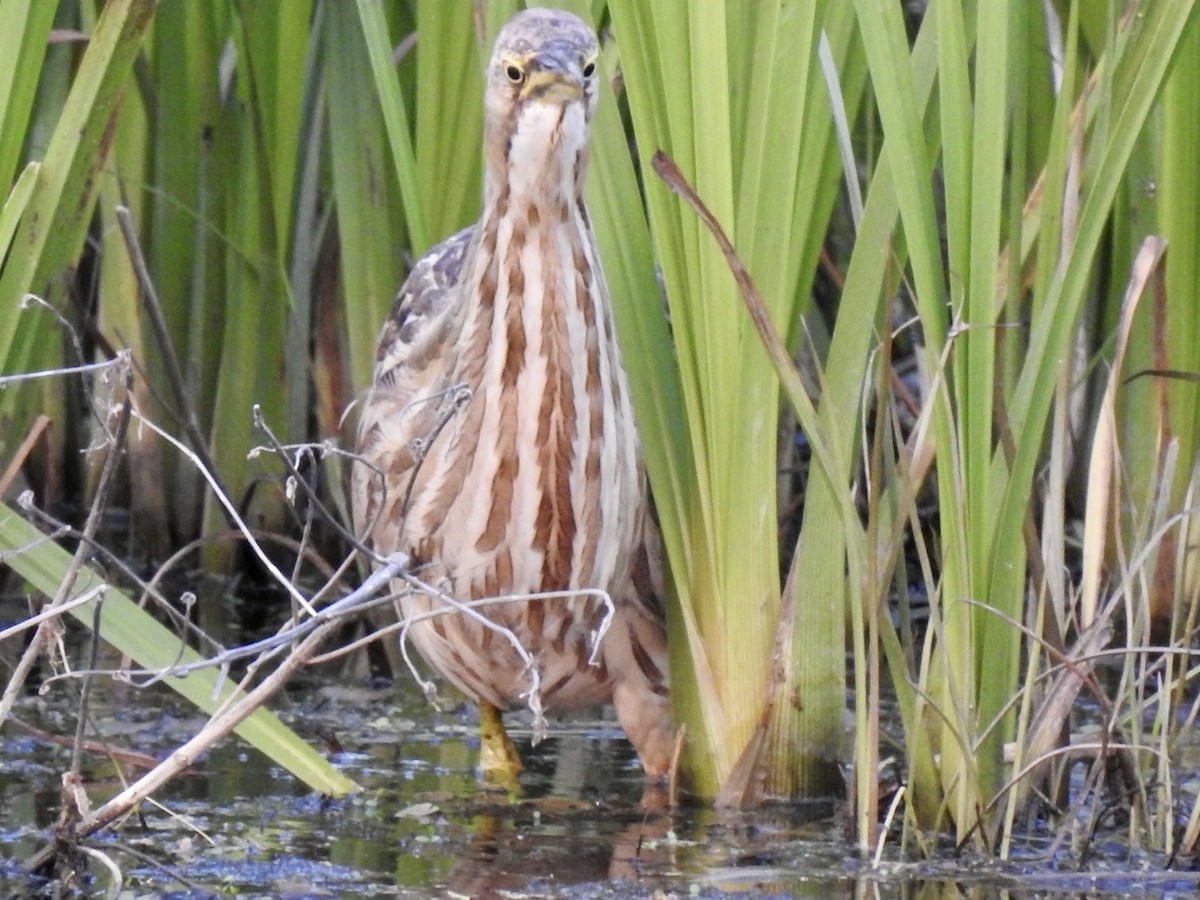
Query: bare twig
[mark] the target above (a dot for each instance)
(267, 648)
(333, 577)
(282, 452)
(469, 607)
(233, 515)
(187, 411)
(87, 369)
(34, 300)
(40, 424)
(217, 728)
(112, 751)
(352, 603)
(114, 871)
(99, 505)
(184, 626)
(147, 859)
(51, 613)
(85, 692)
(451, 604)
(22, 669)
(460, 395)
(68, 582)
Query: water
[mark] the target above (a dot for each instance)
(425, 826)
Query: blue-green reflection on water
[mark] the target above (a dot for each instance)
(424, 825)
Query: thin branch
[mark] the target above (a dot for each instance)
(114, 871)
(77, 560)
(62, 531)
(52, 613)
(6, 380)
(352, 603)
(269, 647)
(147, 859)
(122, 755)
(34, 300)
(279, 450)
(36, 430)
(99, 505)
(217, 728)
(232, 513)
(187, 411)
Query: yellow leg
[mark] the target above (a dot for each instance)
(497, 754)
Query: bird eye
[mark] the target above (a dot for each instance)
(589, 69)
(514, 73)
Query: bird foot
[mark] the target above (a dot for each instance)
(498, 757)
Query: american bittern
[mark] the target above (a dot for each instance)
(501, 447)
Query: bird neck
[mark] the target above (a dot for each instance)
(537, 347)
(541, 155)
(535, 259)
(535, 243)
(538, 350)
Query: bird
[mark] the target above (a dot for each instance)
(496, 444)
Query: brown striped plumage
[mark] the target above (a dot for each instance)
(500, 420)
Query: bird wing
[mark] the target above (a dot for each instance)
(410, 392)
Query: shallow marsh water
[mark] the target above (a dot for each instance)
(424, 826)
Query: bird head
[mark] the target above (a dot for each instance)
(542, 85)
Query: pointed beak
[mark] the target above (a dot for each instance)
(553, 78)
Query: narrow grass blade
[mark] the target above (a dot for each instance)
(24, 33)
(132, 631)
(14, 206)
(59, 208)
(396, 120)
(367, 230)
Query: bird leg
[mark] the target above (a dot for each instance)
(497, 754)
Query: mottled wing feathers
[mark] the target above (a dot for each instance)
(409, 391)
(421, 299)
